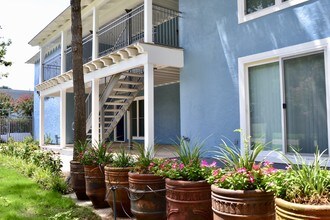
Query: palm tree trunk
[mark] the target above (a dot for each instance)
(78, 75)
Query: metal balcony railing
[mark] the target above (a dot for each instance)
(87, 52)
(52, 68)
(129, 29)
(123, 31)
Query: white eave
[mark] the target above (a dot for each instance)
(34, 59)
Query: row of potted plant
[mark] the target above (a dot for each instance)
(187, 187)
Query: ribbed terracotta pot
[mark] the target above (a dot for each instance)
(147, 194)
(95, 186)
(188, 200)
(287, 210)
(117, 177)
(242, 204)
(77, 179)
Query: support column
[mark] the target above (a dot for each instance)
(95, 111)
(95, 52)
(63, 119)
(41, 120)
(148, 21)
(41, 71)
(149, 108)
(63, 51)
(129, 128)
(102, 136)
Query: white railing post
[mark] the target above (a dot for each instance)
(149, 108)
(148, 21)
(63, 51)
(95, 52)
(41, 72)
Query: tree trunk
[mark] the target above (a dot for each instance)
(78, 75)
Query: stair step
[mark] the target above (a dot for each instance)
(116, 103)
(133, 74)
(109, 116)
(129, 82)
(125, 90)
(120, 97)
(111, 110)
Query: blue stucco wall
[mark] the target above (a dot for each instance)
(213, 41)
(167, 114)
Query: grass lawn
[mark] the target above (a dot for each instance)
(21, 198)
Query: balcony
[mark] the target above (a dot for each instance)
(129, 29)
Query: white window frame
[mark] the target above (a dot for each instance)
(279, 5)
(138, 121)
(276, 56)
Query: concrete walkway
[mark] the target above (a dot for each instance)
(66, 156)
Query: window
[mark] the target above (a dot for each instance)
(252, 9)
(256, 5)
(138, 118)
(303, 103)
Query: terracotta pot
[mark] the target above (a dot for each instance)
(188, 200)
(95, 185)
(147, 204)
(287, 210)
(77, 179)
(117, 178)
(242, 204)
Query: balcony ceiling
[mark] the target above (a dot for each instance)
(51, 33)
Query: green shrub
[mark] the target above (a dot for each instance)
(32, 153)
(44, 167)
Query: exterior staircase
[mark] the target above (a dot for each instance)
(116, 98)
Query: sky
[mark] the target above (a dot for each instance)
(21, 20)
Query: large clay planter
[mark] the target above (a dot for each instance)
(147, 204)
(242, 204)
(95, 186)
(117, 178)
(287, 210)
(77, 180)
(188, 200)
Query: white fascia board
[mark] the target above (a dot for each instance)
(125, 65)
(164, 56)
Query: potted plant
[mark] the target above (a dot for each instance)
(116, 179)
(302, 190)
(241, 189)
(94, 159)
(77, 173)
(147, 191)
(188, 195)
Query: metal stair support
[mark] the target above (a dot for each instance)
(106, 92)
(116, 98)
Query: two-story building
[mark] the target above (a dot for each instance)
(160, 69)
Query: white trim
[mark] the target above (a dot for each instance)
(95, 111)
(279, 5)
(137, 100)
(42, 120)
(273, 56)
